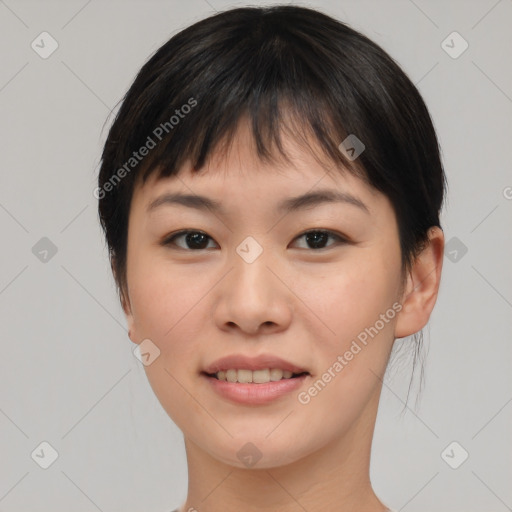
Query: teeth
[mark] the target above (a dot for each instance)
(257, 376)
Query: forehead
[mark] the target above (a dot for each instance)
(236, 174)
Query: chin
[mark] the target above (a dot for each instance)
(254, 450)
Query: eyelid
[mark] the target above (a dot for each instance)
(334, 234)
(168, 240)
(341, 239)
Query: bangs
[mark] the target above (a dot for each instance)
(262, 77)
(268, 122)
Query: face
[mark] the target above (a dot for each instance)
(248, 280)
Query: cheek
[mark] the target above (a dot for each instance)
(167, 310)
(159, 293)
(168, 307)
(352, 357)
(352, 296)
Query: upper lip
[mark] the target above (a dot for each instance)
(241, 362)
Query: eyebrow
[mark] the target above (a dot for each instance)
(303, 202)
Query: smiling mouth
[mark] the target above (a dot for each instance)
(254, 377)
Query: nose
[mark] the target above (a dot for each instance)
(252, 297)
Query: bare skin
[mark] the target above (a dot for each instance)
(300, 303)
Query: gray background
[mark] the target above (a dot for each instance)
(68, 375)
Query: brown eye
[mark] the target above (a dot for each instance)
(197, 240)
(317, 239)
(194, 240)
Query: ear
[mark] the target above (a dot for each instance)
(127, 308)
(125, 303)
(422, 286)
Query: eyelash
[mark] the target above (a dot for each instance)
(169, 241)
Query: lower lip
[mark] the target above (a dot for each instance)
(255, 394)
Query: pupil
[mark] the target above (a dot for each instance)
(313, 237)
(194, 239)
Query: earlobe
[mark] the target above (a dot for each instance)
(422, 286)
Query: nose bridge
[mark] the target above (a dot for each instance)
(252, 296)
(251, 275)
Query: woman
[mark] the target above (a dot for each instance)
(270, 192)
